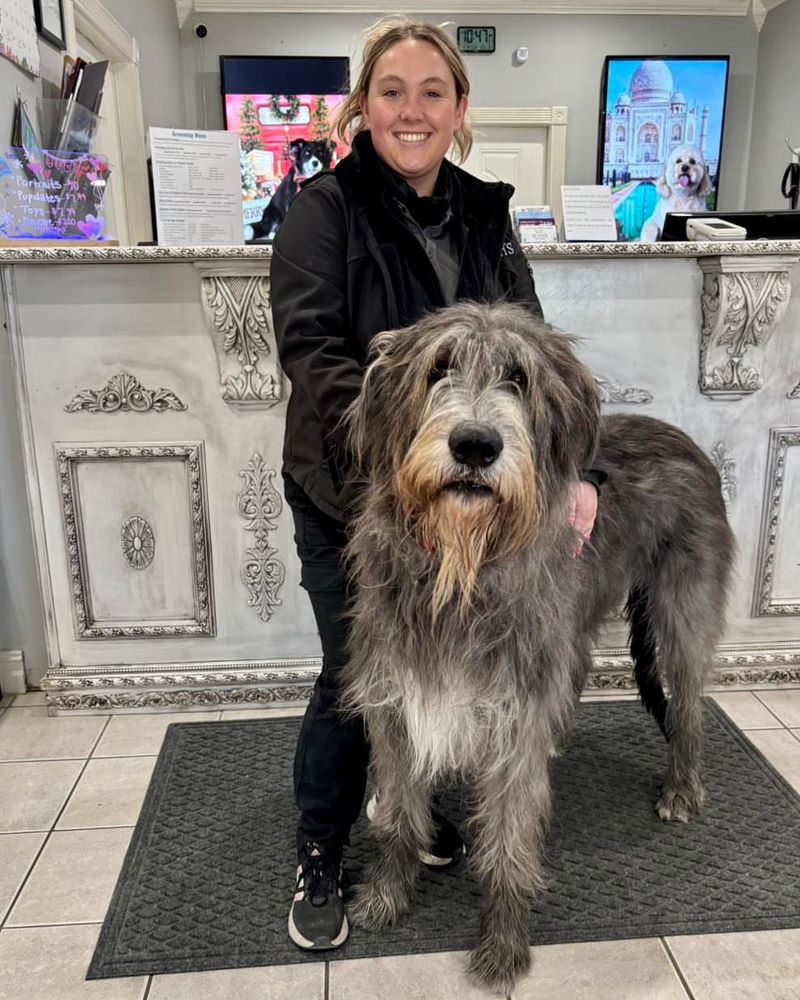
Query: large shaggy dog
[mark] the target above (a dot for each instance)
(682, 188)
(473, 621)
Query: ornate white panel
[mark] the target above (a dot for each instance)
(778, 578)
(135, 520)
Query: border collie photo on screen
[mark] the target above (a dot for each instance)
(309, 157)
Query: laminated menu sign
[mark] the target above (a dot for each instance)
(197, 186)
(52, 195)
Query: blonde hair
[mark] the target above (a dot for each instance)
(379, 39)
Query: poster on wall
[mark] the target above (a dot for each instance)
(282, 108)
(18, 40)
(660, 138)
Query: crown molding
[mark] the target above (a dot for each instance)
(95, 22)
(709, 8)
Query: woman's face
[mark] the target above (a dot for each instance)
(412, 111)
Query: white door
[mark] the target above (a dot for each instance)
(515, 155)
(107, 141)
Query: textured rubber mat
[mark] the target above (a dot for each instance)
(209, 875)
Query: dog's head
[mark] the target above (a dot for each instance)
(312, 155)
(684, 174)
(469, 427)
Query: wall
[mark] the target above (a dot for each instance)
(154, 25)
(776, 108)
(566, 59)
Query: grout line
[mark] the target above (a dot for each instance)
(148, 987)
(783, 724)
(49, 833)
(327, 982)
(63, 923)
(676, 967)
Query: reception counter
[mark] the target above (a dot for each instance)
(152, 407)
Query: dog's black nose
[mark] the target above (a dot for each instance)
(475, 445)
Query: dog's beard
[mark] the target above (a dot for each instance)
(467, 522)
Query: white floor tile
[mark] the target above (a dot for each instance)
(782, 750)
(49, 963)
(785, 703)
(17, 851)
(602, 970)
(73, 879)
(744, 708)
(286, 982)
(135, 735)
(757, 965)
(33, 792)
(31, 699)
(410, 977)
(110, 793)
(31, 734)
(293, 712)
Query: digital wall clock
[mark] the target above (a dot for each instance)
(473, 39)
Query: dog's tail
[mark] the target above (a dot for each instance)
(643, 652)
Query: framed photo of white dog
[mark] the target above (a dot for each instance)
(660, 138)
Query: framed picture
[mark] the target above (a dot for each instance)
(50, 21)
(283, 109)
(660, 137)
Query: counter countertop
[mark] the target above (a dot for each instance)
(153, 254)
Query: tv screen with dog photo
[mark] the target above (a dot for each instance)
(661, 126)
(282, 109)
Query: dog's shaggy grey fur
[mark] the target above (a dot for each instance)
(472, 619)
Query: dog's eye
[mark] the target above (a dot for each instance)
(516, 376)
(692, 162)
(439, 371)
(680, 160)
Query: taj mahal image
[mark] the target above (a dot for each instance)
(648, 122)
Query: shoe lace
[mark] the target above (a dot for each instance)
(320, 875)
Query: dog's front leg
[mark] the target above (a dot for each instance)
(509, 824)
(402, 825)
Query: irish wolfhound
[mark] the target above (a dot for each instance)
(473, 621)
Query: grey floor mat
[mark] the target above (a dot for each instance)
(208, 877)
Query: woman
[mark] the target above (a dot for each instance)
(394, 231)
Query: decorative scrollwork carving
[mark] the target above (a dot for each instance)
(237, 308)
(124, 393)
(794, 393)
(741, 304)
(138, 542)
(610, 392)
(726, 467)
(260, 504)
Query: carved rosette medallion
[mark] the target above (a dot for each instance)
(236, 304)
(726, 467)
(260, 504)
(765, 601)
(138, 542)
(611, 392)
(742, 302)
(124, 393)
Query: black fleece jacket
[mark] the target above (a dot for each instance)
(347, 265)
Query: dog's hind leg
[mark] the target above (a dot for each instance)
(513, 806)
(402, 825)
(686, 607)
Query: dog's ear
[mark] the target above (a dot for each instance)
(296, 145)
(663, 188)
(704, 187)
(364, 411)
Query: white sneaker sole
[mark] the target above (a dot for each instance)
(427, 859)
(303, 942)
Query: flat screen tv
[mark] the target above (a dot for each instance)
(282, 108)
(660, 137)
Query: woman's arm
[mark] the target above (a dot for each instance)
(309, 304)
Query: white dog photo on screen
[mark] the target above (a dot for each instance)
(682, 188)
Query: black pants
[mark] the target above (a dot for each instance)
(330, 767)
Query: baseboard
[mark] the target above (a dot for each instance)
(12, 672)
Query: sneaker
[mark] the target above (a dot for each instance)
(447, 843)
(317, 919)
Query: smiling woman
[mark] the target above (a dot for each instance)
(394, 232)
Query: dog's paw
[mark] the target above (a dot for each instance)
(496, 963)
(374, 905)
(678, 805)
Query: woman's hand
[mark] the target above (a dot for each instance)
(582, 512)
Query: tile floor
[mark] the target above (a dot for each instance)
(70, 792)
